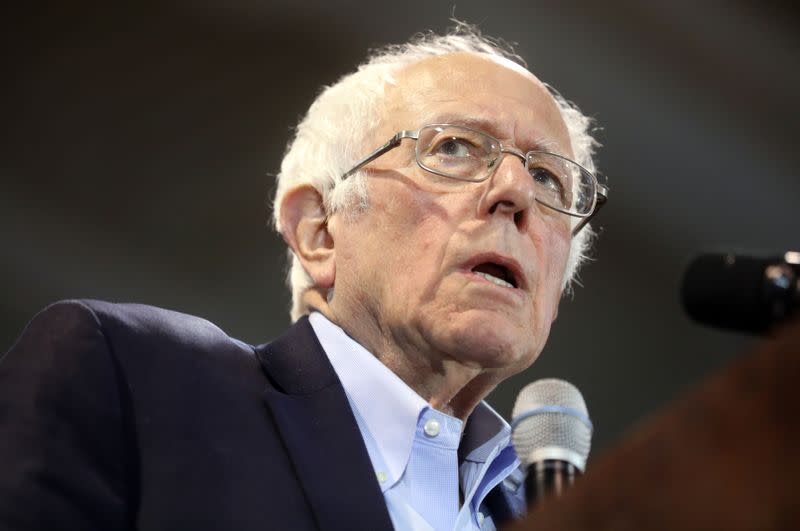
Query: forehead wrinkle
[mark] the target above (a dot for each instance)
(426, 90)
(535, 141)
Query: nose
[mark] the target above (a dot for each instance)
(510, 190)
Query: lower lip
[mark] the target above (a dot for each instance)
(516, 292)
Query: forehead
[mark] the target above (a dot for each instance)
(472, 88)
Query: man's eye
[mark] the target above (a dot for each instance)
(454, 147)
(546, 178)
(549, 181)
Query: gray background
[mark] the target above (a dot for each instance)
(138, 140)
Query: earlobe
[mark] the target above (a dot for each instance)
(304, 226)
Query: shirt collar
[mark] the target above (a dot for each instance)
(387, 405)
(390, 408)
(485, 430)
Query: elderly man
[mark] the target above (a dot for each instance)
(431, 265)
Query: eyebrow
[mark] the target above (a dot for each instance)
(482, 124)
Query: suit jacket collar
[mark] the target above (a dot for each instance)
(314, 418)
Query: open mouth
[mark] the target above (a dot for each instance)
(496, 274)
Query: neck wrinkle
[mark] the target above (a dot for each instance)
(439, 378)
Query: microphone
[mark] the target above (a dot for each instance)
(742, 293)
(551, 433)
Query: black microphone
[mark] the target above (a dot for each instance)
(743, 293)
(551, 433)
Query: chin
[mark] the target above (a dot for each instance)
(489, 343)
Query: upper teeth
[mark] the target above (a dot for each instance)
(494, 280)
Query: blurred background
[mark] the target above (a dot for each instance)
(139, 140)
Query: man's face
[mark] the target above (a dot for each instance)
(412, 267)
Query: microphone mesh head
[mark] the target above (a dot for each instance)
(550, 420)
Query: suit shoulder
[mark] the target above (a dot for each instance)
(60, 323)
(125, 326)
(60, 424)
(132, 322)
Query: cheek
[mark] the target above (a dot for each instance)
(406, 230)
(415, 258)
(413, 221)
(553, 247)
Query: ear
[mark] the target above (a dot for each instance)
(305, 229)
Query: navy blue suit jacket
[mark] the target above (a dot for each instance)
(123, 416)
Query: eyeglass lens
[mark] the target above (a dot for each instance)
(466, 154)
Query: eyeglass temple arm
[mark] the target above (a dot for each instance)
(391, 144)
(602, 198)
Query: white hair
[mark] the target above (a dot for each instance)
(336, 132)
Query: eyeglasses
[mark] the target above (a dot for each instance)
(466, 154)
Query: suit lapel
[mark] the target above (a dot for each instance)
(320, 434)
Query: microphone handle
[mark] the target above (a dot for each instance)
(547, 478)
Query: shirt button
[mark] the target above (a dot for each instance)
(480, 519)
(432, 428)
(381, 476)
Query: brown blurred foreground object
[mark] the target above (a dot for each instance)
(726, 456)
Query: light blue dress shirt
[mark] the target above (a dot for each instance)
(414, 449)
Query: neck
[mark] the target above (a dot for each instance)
(440, 378)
